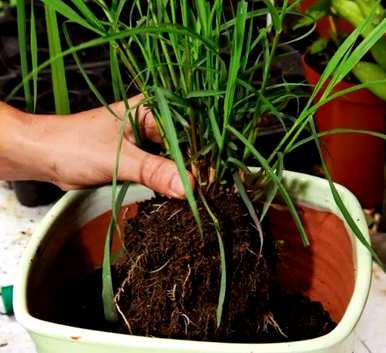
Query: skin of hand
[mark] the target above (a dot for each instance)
(79, 150)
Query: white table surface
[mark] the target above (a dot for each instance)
(17, 224)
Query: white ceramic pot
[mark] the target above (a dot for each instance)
(77, 208)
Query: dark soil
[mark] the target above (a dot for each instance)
(171, 277)
(169, 280)
(79, 304)
(298, 317)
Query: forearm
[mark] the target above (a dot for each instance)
(80, 150)
(19, 146)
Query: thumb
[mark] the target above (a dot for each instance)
(157, 173)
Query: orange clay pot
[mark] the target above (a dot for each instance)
(353, 160)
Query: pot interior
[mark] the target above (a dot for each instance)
(324, 271)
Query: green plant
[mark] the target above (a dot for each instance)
(205, 69)
(28, 47)
(6, 3)
(24, 63)
(355, 12)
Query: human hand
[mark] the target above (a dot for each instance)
(79, 150)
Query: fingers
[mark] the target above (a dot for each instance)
(148, 126)
(158, 173)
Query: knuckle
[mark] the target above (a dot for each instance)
(151, 173)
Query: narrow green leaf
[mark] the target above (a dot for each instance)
(109, 309)
(114, 65)
(120, 92)
(58, 72)
(86, 77)
(274, 14)
(272, 191)
(70, 14)
(342, 207)
(337, 132)
(240, 165)
(287, 198)
(336, 68)
(115, 37)
(361, 49)
(23, 49)
(166, 120)
(204, 93)
(223, 284)
(81, 5)
(250, 208)
(234, 66)
(214, 125)
(203, 15)
(223, 268)
(34, 55)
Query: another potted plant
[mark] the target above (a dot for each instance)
(200, 269)
(354, 160)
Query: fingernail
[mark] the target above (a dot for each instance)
(176, 187)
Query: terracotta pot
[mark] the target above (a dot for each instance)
(335, 270)
(354, 160)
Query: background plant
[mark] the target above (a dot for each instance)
(5, 4)
(355, 12)
(205, 69)
(29, 56)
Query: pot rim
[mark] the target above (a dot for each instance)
(362, 270)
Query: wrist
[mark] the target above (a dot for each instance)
(20, 142)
